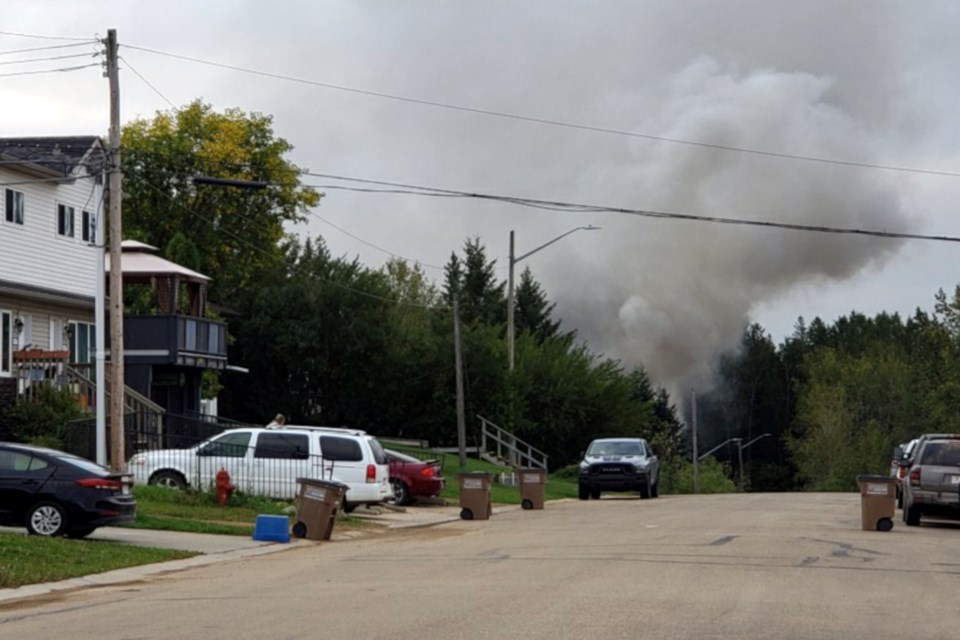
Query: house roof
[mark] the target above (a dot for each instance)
(139, 261)
(53, 155)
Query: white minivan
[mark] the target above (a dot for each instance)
(267, 461)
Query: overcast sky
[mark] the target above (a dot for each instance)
(866, 81)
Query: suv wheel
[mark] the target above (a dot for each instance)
(644, 492)
(655, 489)
(595, 494)
(584, 492)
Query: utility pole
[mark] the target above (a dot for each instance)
(118, 456)
(739, 442)
(458, 363)
(511, 303)
(696, 456)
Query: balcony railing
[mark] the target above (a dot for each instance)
(175, 339)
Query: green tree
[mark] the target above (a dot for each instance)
(238, 230)
(533, 312)
(473, 278)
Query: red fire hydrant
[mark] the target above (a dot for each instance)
(224, 487)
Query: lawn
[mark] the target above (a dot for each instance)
(198, 512)
(32, 559)
(557, 487)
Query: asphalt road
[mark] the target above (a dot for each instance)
(792, 566)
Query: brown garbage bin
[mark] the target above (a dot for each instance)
(878, 496)
(475, 495)
(533, 484)
(318, 502)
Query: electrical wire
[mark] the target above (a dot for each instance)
(148, 83)
(371, 245)
(39, 37)
(550, 122)
(46, 48)
(61, 70)
(72, 55)
(246, 242)
(63, 179)
(689, 217)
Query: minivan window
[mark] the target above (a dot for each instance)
(379, 455)
(231, 445)
(287, 446)
(343, 449)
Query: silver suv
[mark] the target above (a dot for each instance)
(932, 485)
(619, 464)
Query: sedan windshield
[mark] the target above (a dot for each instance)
(615, 449)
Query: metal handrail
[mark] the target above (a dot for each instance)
(517, 450)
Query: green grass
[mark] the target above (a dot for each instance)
(198, 512)
(32, 559)
(557, 486)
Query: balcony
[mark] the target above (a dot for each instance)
(178, 340)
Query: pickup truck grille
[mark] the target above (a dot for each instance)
(609, 468)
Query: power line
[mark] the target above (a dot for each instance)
(63, 179)
(47, 48)
(148, 83)
(370, 244)
(588, 208)
(39, 37)
(547, 121)
(61, 70)
(246, 242)
(72, 55)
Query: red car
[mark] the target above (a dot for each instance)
(412, 478)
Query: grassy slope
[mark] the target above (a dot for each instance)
(32, 559)
(556, 487)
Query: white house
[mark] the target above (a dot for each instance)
(51, 193)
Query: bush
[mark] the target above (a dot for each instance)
(570, 472)
(678, 478)
(41, 420)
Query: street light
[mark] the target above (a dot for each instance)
(511, 303)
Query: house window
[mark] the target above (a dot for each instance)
(65, 217)
(56, 334)
(83, 342)
(13, 209)
(6, 343)
(88, 230)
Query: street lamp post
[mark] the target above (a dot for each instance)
(511, 302)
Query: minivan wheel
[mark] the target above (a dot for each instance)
(47, 519)
(911, 515)
(170, 479)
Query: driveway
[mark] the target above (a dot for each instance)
(785, 566)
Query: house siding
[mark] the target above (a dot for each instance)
(33, 254)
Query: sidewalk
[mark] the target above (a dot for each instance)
(222, 548)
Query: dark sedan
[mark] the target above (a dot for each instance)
(53, 493)
(412, 478)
